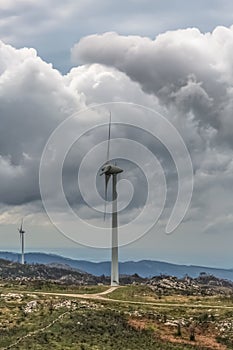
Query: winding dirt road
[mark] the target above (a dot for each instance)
(101, 296)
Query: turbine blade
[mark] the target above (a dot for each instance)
(107, 178)
(21, 226)
(109, 137)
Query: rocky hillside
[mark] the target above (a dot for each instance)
(58, 273)
(61, 274)
(162, 285)
(203, 285)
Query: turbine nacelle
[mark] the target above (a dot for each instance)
(21, 231)
(110, 169)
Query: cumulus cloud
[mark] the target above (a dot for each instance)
(53, 26)
(185, 75)
(33, 101)
(190, 75)
(186, 68)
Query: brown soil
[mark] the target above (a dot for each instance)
(205, 338)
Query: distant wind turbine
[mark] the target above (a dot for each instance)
(22, 232)
(112, 170)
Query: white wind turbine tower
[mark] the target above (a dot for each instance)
(22, 232)
(112, 170)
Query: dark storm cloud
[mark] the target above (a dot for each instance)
(33, 101)
(184, 75)
(190, 74)
(185, 69)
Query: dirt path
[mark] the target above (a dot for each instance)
(108, 291)
(81, 296)
(101, 296)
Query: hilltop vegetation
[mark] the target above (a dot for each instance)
(157, 313)
(56, 273)
(35, 322)
(38, 275)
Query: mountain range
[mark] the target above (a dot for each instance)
(144, 268)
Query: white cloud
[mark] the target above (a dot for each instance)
(184, 68)
(183, 74)
(53, 26)
(190, 74)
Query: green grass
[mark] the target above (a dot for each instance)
(99, 324)
(93, 325)
(134, 293)
(47, 286)
(96, 329)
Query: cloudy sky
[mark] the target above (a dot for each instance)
(173, 57)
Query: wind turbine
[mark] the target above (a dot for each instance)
(111, 170)
(21, 232)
